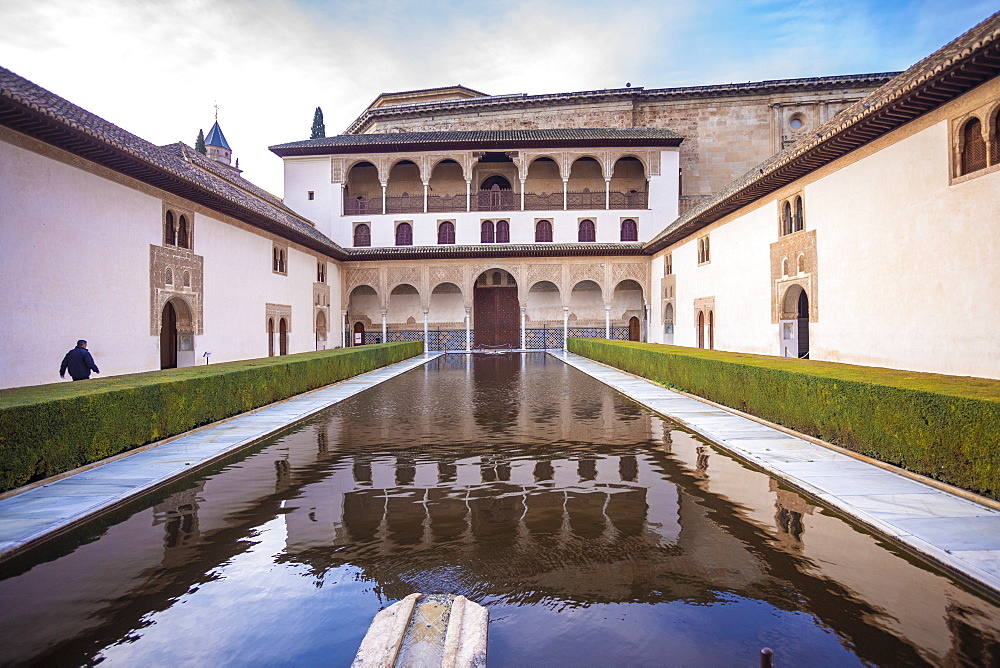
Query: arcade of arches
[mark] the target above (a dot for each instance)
(499, 181)
(507, 305)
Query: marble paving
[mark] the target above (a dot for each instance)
(42, 510)
(957, 532)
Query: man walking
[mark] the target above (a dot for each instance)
(79, 361)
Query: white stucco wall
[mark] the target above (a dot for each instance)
(909, 275)
(76, 254)
(74, 249)
(907, 270)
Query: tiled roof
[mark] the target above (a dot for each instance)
(224, 171)
(485, 138)
(38, 113)
(637, 93)
(949, 72)
(216, 138)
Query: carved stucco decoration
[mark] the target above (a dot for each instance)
(545, 272)
(188, 291)
(636, 271)
(356, 276)
(794, 262)
(278, 311)
(587, 272)
(400, 275)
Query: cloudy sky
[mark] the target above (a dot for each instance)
(158, 67)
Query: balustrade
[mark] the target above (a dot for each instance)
(495, 200)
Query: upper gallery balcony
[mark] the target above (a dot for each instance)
(499, 187)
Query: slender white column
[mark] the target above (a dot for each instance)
(345, 325)
(645, 325)
(383, 327)
(607, 193)
(607, 321)
(468, 195)
(565, 196)
(468, 334)
(426, 188)
(522, 194)
(425, 331)
(524, 315)
(565, 325)
(383, 197)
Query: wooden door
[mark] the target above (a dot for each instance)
(359, 334)
(497, 314)
(633, 329)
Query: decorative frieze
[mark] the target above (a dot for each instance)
(794, 262)
(178, 274)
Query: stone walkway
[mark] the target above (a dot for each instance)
(958, 533)
(55, 506)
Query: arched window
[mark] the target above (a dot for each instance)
(170, 231)
(786, 218)
(630, 231)
(362, 235)
(182, 233)
(503, 232)
(543, 231)
(799, 215)
(281, 261)
(587, 232)
(187, 279)
(169, 279)
(274, 260)
(446, 232)
(701, 329)
(270, 337)
(487, 232)
(974, 150)
(404, 235)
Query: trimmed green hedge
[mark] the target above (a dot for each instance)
(49, 429)
(944, 427)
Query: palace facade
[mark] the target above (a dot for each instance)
(849, 218)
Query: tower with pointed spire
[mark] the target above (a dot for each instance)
(217, 146)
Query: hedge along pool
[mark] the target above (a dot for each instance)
(594, 531)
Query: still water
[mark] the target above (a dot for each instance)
(594, 531)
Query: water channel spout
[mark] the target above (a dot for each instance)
(426, 630)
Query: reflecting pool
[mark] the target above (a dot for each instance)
(594, 531)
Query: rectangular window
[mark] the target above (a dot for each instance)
(311, 195)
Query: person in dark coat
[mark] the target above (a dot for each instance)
(79, 361)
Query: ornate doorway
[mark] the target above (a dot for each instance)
(496, 310)
(633, 329)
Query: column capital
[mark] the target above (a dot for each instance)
(565, 309)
